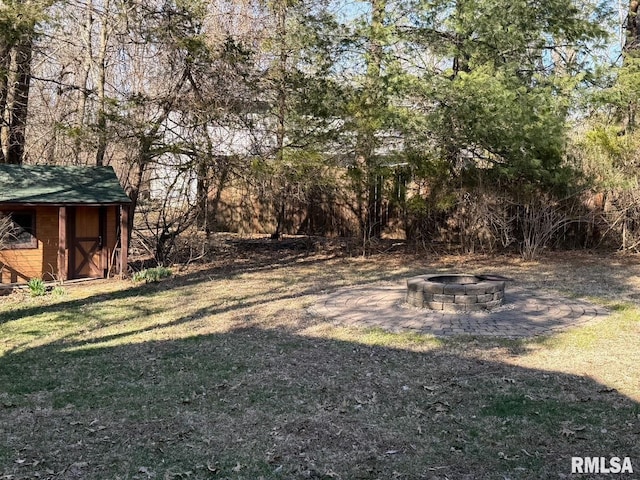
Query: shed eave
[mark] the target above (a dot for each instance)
(61, 204)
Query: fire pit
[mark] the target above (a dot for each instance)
(456, 293)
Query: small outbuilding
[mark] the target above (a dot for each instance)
(61, 223)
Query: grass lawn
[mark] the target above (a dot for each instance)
(220, 372)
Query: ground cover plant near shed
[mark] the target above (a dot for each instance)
(221, 372)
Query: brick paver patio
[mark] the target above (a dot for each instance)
(525, 313)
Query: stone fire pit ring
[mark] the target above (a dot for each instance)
(456, 293)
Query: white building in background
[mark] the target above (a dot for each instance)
(173, 176)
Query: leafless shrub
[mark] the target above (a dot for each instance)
(6, 230)
(488, 222)
(538, 222)
(483, 222)
(171, 210)
(616, 214)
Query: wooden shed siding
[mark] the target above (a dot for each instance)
(22, 264)
(47, 233)
(111, 233)
(18, 266)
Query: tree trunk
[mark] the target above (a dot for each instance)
(5, 67)
(13, 138)
(145, 150)
(141, 164)
(221, 182)
(373, 99)
(102, 79)
(632, 50)
(632, 42)
(281, 113)
(202, 194)
(86, 66)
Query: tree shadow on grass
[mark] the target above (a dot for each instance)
(218, 272)
(253, 403)
(317, 274)
(322, 279)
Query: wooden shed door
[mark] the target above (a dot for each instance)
(87, 241)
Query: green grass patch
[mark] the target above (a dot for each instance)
(151, 275)
(548, 411)
(380, 337)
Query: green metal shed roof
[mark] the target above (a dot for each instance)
(48, 184)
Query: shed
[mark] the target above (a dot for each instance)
(64, 222)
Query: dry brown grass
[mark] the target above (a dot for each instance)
(220, 372)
